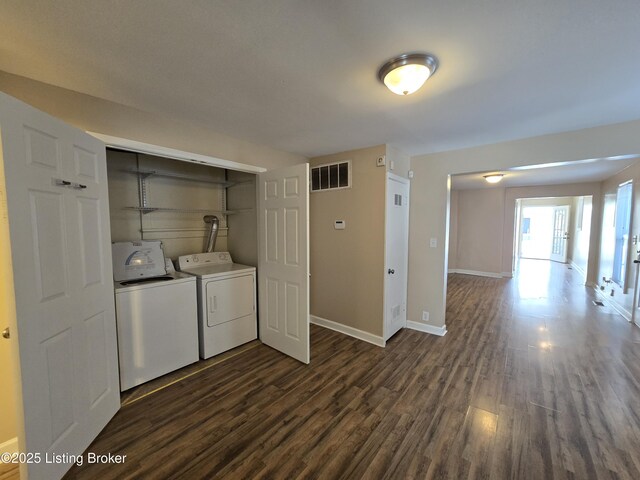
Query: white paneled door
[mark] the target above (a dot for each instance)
(283, 260)
(560, 233)
(57, 203)
(396, 254)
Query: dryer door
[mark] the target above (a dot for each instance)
(229, 299)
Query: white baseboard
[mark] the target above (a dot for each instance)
(352, 332)
(507, 274)
(606, 299)
(423, 327)
(477, 273)
(10, 446)
(577, 268)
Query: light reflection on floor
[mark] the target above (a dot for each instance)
(542, 290)
(533, 278)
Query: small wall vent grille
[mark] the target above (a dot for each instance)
(332, 176)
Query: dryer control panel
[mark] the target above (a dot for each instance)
(201, 259)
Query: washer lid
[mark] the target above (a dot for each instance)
(140, 259)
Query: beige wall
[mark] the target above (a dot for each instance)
(482, 224)
(622, 298)
(242, 237)
(581, 234)
(479, 230)
(181, 233)
(109, 118)
(430, 196)
(347, 281)
(453, 229)
(397, 162)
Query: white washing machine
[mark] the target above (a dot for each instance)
(156, 314)
(226, 301)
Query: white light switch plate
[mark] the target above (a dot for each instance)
(433, 243)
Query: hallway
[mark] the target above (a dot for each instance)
(531, 382)
(562, 375)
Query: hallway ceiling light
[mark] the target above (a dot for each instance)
(494, 177)
(406, 73)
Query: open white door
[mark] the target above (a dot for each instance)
(57, 204)
(560, 234)
(396, 254)
(283, 260)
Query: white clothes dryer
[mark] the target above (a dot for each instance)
(227, 315)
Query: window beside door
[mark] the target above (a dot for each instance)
(622, 225)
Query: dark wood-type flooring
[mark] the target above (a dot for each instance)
(532, 381)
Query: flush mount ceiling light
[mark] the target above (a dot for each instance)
(494, 177)
(406, 73)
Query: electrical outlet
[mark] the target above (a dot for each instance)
(425, 316)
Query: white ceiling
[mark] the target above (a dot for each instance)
(587, 170)
(301, 75)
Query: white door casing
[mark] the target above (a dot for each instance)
(560, 233)
(283, 260)
(396, 254)
(62, 274)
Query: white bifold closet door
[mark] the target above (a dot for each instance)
(65, 330)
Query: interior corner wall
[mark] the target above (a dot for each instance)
(453, 230)
(480, 215)
(397, 162)
(623, 298)
(347, 281)
(109, 118)
(581, 234)
(430, 197)
(243, 227)
(181, 233)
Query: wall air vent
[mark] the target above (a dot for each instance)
(331, 176)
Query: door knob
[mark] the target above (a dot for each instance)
(6, 333)
(391, 272)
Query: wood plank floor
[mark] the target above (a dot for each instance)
(532, 381)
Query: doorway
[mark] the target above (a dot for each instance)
(544, 232)
(555, 229)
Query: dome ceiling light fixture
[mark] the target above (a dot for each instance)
(406, 73)
(494, 177)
